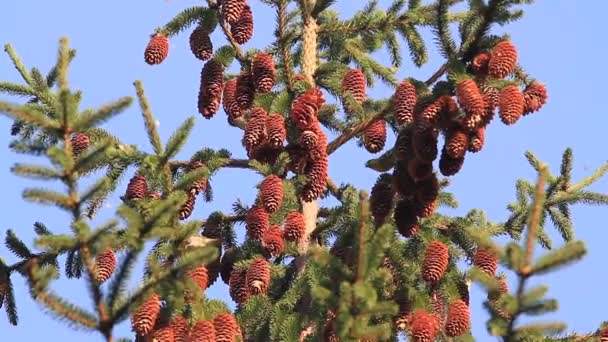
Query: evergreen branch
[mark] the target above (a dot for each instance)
(94, 118)
(29, 115)
(178, 139)
(16, 89)
(11, 306)
(51, 77)
(149, 121)
(361, 236)
(68, 312)
(182, 21)
(15, 245)
(49, 198)
(63, 61)
(41, 229)
(8, 48)
(596, 175)
(442, 30)
(35, 171)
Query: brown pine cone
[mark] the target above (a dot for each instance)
(144, 317)
(317, 173)
(181, 331)
(200, 275)
(429, 117)
(426, 209)
(470, 99)
(477, 140)
(200, 185)
(438, 306)
(272, 241)
(265, 154)
(436, 259)
(381, 198)
(305, 108)
(485, 261)
(264, 73)
(105, 264)
(137, 188)
(457, 142)
(275, 127)
(504, 59)
(242, 29)
(354, 83)
(255, 130)
(271, 193)
(490, 100)
(258, 222)
(157, 49)
(308, 140)
(163, 333)
(427, 190)
(459, 319)
(188, 207)
(404, 149)
(480, 63)
(419, 170)
(403, 318)
(511, 104)
(425, 145)
(200, 43)
(203, 331)
(404, 102)
(424, 326)
(237, 286)
(403, 183)
(449, 166)
(294, 227)
(211, 89)
(535, 96)
(226, 328)
(374, 137)
(258, 276)
(319, 150)
(245, 92)
(80, 142)
(232, 10)
(231, 106)
(405, 218)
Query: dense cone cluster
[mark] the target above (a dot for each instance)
(276, 130)
(294, 228)
(200, 43)
(211, 89)
(354, 84)
(271, 193)
(144, 317)
(485, 261)
(458, 320)
(202, 331)
(405, 218)
(258, 222)
(435, 262)
(424, 326)
(157, 49)
(105, 265)
(255, 131)
(264, 73)
(242, 28)
(272, 241)
(137, 188)
(80, 142)
(226, 328)
(258, 276)
(381, 199)
(404, 102)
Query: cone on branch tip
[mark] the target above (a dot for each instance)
(374, 137)
(242, 29)
(448, 165)
(105, 265)
(137, 188)
(157, 49)
(258, 222)
(485, 261)
(226, 328)
(294, 228)
(404, 102)
(424, 326)
(381, 198)
(144, 317)
(264, 73)
(504, 59)
(80, 142)
(354, 83)
(203, 331)
(188, 207)
(458, 320)
(457, 143)
(258, 276)
(200, 43)
(470, 99)
(511, 104)
(436, 259)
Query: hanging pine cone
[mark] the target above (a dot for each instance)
(470, 99)
(201, 184)
(264, 73)
(405, 218)
(80, 142)
(275, 127)
(181, 331)
(427, 190)
(485, 261)
(435, 262)
(317, 173)
(381, 199)
(504, 59)
(426, 209)
(308, 140)
(157, 49)
(494, 296)
(271, 193)
(203, 331)
(459, 319)
(477, 140)
(404, 102)
(144, 317)
(305, 108)
(480, 63)
(424, 326)
(226, 328)
(231, 106)
(200, 43)
(354, 83)
(403, 318)
(463, 291)
(257, 221)
(232, 10)
(457, 142)
(402, 181)
(255, 130)
(429, 117)
(237, 286)
(105, 264)
(137, 188)
(438, 306)
(419, 170)
(244, 90)
(211, 89)
(404, 149)
(425, 145)
(272, 241)
(374, 137)
(318, 151)
(200, 275)
(163, 333)
(535, 96)
(187, 207)
(294, 227)
(242, 29)
(265, 154)
(449, 166)
(511, 104)
(258, 276)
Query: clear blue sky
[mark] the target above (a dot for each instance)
(558, 44)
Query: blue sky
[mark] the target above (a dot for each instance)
(558, 44)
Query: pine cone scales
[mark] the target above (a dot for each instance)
(226, 328)
(272, 241)
(163, 333)
(258, 276)
(317, 173)
(137, 188)
(459, 319)
(305, 108)
(201, 184)
(188, 207)
(156, 50)
(275, 127)
(105, 264)
(264, 73)
(535, 96)
(457, 143)
(504, 59)
(480, 63)
(374, 137)
(470, 99)
(242, 29)
(200, 275)
(80, 142)
(511, 104)
(237, 286)
(258, 222)
(271, 193)
(448, 165)
(381, 199)
(404, 102)
(231, 106)
(232, 10)
(485, 261)
(244, 90)
(477, 140)
(203, 331)
(144, 317)
(180, 329)
(211, 89)
(354, 83)
(405, 218)
(435, 262)
(424, 326)
(255, 130)
(200, 43)
(294, 227)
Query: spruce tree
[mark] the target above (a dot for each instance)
(320, 259)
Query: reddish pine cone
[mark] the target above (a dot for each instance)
(354, 83)
(309, 140)
(163, 333)
(374, 137)
(264, 73)
(231, 106)
(271, 193)
(258, 276)
(181, 331)
(405, 218)
(305, 108)
(424, 326)
(232, 10)
(429, 117)
(449, 166)
(203, 331)
(504, 59)
(137, 188)
(457, 142)
(511, 104)
(426, 209)
(477, 139)
(272, 241)
(157, 49)
(404, 102)
(535, 96)
(459, 319)
(480, 63)
(419, 170)
(80, 142)
(485, 261)
(200, 275)
(317, 173)
(257, 221)
(244, 90)
(435, 263)
(237, 286)
(404, 149)
(187, 207)
(211, 89)
(242, 29)
(144, 317)
(470, 99)
(427, 190)
(319, 150)
(200, 43)
(425, 145)
(105, 263)
(294, 227)
(275, 127)
(438, 306)
(226, 328)
(255, 130)
(200, 185)
(381, 198)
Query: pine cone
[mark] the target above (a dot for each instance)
(188, 207)
(485, 261)
(319, 150)
(457, 142)
(470, 99)
(258, 276)
(427, 190)
(305, 108)
(459, 319)
(404, 149)
(200, 275)
(157, 49)
(511, 104)
(231, 106)
(449, 166)
(232, 10)
(354, 83)
(255, 131)
(535, 96)
(438, 306)
(494, 296)
(403, 318)
(477, 140)
(242, 29)
(200, 43)
(272, 241)
(275, 127)
(264, 73)
(425, 145)
(200, 185)
(163, 333)
(237, 286)
(137, 188)
(265, 154)
(244, 90)
(504, 59)
(429, 117)
(424, 326)
(271, 193)
(463, 291)
(144, 317)
(435, 263)
(80, 142)
(426, 209)
(294, 227)
(480, 63)
(105, 263)
(203, 331)
(226, 328)
(374, 137)
(317, 173)
(402, 181)
(181, 331)
(211, 89)
(258, 222)
(490, 100)
(404, 102)
(405, 218)
(308, 140)
(381, 199)
(419, 170)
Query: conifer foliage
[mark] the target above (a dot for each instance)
(356, 268)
